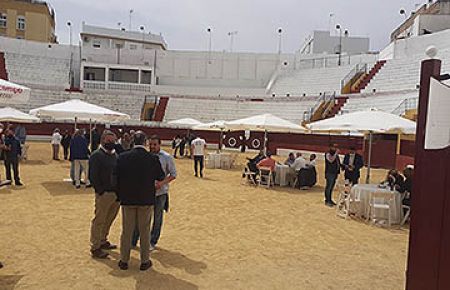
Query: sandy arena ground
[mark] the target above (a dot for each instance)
(219, 234)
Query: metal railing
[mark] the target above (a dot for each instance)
(354, 74)
(406, 105)
(326, 97)
(116, 86)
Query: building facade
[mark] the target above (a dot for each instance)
(27, 19)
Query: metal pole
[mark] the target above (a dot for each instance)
(131, 12)
(90, 133)
(369, 161)
(265, 142)
(340, 46)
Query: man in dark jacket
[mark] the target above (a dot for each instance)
(13, 150)
(353, 162)
(137, 171)
(101, 166)
(65, 142)
(95, 142)
(79, 154)
(332, 170)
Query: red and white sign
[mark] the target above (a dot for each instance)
(11, 93)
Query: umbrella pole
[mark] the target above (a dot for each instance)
(265, 142)
(90, 133)
(221, 139)
(369, 162)
(399, 143)
(76, 123)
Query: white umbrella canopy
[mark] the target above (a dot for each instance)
(188, 122)
(369, 121)
(80, 110)
(213, 126)
(12, 115)
(366, 121)
(12, 93)
(264, 122)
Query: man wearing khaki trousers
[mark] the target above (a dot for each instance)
(136, 172)
(101, 166)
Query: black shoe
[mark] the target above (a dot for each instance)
(123, 265)
(108, 246)
(145, 266)
(196, 175)
(1, 265)
(78, 187)
(89, 186)
(18, 183)
(99, 254)
(201, 175)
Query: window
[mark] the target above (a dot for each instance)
(21, 22)
(96, 43)
(3, 21)
(133, 46)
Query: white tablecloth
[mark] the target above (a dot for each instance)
(281, 174)
(219, 161)
(361, 193)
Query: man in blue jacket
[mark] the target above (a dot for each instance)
(79, 154)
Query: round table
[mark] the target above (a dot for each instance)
(360, 194)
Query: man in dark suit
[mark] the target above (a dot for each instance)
(136, 172)
(13, 151)
(353, 162)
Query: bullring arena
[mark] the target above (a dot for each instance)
(326, 165)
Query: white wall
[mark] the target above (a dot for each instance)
(50, 51)
(324, 42)
(416, 45)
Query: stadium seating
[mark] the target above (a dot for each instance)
(35, 71)
(211, 109)
(311, 81)
(404, 73)
(128, 104)
(389, 102)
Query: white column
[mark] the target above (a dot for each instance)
(106, 77)
(139, 76)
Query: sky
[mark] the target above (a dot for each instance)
(184, 23)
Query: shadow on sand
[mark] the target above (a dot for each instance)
(151, 279)
(9, 282)
(58, 188)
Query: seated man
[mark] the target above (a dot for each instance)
(290, 160)
(298, 165)
(268, 162)
(310, 173)
(407, 185)
(252, 162)
(394, 180)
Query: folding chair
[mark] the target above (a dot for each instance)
(265, 177)
(249, 176)
(343, 202)
(406, 208)
(380, 201)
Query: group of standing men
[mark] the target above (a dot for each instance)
(352, 164)
(136, 180)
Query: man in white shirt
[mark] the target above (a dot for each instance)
(56, 141)
(198, 147)
(299, 163)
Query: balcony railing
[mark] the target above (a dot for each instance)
(116, 86)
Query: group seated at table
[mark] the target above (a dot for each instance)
(304, 171)
(401, 183)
